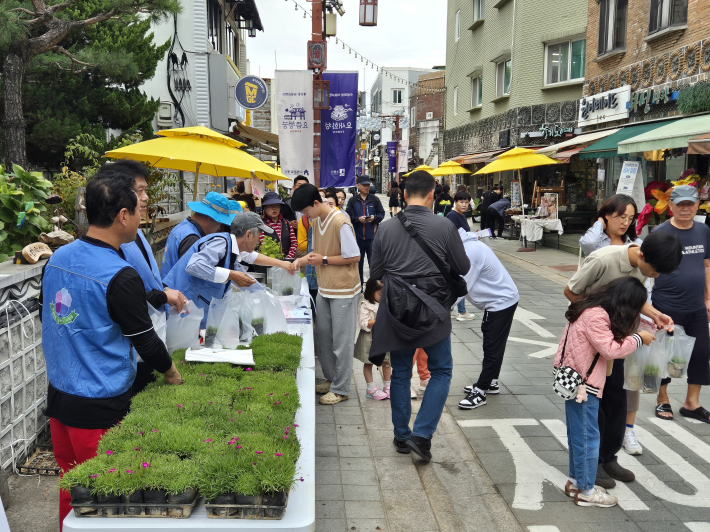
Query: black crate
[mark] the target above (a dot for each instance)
(136, 509)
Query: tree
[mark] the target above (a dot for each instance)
(78, 37)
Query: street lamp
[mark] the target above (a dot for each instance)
(368, 12)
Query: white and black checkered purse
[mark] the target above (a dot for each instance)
(567, 380)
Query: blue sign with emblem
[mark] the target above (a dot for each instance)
(251, 92)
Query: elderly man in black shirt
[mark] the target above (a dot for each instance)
(415, 287)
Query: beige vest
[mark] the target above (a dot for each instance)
(335, 282)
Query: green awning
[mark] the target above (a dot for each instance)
(606, 147)
(674, 135)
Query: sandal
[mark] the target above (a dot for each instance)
(699, 413)
(664, 407)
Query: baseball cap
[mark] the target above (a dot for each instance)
(684, 193)
(244, 221)
(363, 180)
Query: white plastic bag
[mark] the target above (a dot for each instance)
(274, 317)
(229, 330)
(634, 365)
(285, 283)
(160, 320)
(655, 365)
(217, 309)
(680, 354)
(246, 312)
(183, 328)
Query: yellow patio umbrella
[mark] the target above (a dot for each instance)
(516, 159)
(202, 151)
(420, 167)
(201, 132)
(450, 168)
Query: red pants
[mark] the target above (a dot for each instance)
(72, 447)
(421, 359)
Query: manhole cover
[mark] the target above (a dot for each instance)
(567, 268)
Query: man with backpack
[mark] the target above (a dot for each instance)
(420, 258)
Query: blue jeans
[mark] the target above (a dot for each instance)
(365, 249)
(583, 440)
(440, 366)
(462, 306)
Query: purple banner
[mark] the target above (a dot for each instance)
(392, 155)
(338, 131)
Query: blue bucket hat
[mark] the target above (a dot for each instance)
(217, 207)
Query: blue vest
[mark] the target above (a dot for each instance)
(85, 350)
(172, 246)
(193, 288)
(149, 272)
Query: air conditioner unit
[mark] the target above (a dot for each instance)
(165, 115)
(429, 115)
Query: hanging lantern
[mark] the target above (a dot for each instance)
(368, 12)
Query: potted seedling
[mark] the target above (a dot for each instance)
(287, 291)
(676, 367)
(210, 334)
(634, 375)
(258, 325)
(650, 373)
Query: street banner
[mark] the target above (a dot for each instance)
(294, 115)
(392, 155)
(338, 131)
(403, 161)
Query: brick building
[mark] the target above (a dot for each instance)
(427, 108)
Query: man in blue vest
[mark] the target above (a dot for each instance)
(207, 268)
(209, 216)
(94, 309)
(140, 255)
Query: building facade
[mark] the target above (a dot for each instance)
(426, 111)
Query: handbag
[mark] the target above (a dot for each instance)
(567, 380)
(456, 283)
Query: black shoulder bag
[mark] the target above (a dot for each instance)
(456, 283)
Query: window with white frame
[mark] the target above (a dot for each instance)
(456, 100)
(479, 9)
(396, 95)
(503, 75)
(564, 61)
(667, 13)
(612, 25)
(476, 91)
(458, 24)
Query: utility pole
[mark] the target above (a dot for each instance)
(317, 35)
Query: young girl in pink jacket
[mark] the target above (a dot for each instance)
(602, 322)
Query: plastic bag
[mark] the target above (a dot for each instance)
(246, 312)
(680, 354)
(634, 365)
(274, 317)
(656, 362)
(229, 330)
(160, 320)
(183, 328)
(285, 283)
(217, 309)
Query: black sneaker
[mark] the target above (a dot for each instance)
(493, 389)
(615, 471)
(401, 446)
(603, 479)
(473, 400)
(420, 446)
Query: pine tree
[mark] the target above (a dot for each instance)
(75, 67)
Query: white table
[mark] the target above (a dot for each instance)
(301, 510)
(533, 229)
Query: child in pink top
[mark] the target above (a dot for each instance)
(602, 322)
(367, 312)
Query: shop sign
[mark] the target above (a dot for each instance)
(251, 92)
(648, 97)
(605, 106)
(555, 130)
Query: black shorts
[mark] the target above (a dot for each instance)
(695, 325)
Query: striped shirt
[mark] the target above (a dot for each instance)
(276, 226)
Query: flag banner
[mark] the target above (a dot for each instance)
(403, 161)
(294, 114)
(392, 155)
(338, 131)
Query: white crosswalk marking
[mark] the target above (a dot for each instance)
(543, 528)
(627, 498)
(550, 349)
(526, 318)
(698, 526)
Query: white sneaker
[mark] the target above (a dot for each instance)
(597, 498)
(465, 317)
(454, 313)
(631, 444)
(422, 384)
(412, 393)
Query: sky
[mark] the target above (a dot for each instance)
(409, 33)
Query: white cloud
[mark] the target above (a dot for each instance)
(411, 34)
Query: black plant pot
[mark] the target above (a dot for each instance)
(251, 500)
(156, 497)
(649, 384)
(135, 497)
(185, 497)
(81, 495)
(109, 499)
(225, 498)
(274, 499)
(258, 328)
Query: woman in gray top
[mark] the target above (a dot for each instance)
(616, 226)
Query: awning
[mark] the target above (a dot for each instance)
(564, 156)
(254, 135)
(581, 139)
(699, 145)
(673, 135)
(607, 146)
(482, 157)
